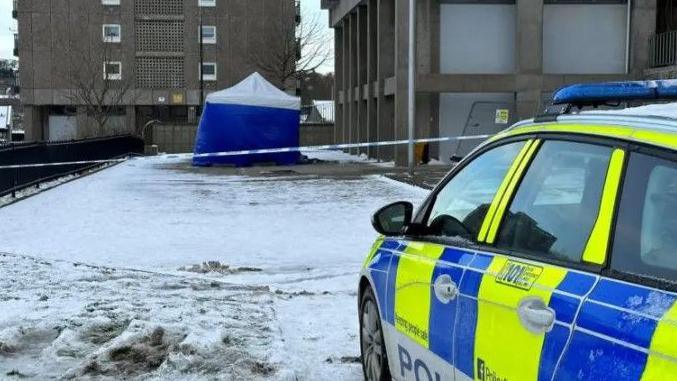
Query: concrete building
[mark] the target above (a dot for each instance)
(481, 65)
(154, 45)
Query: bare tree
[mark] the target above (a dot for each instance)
(97, 83)
(290, 51)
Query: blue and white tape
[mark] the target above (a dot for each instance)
(340, 146)
(270, 150)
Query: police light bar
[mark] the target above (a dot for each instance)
(590, 94)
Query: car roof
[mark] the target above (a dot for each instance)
(654, 125)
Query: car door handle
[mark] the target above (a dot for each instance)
(445, 288)
(535, 316)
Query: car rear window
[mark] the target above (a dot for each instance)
(645, 241)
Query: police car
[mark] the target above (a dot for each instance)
(549, 253)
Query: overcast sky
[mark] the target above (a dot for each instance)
(8, 27)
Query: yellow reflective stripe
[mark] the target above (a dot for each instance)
(596, 248)
(584, 129)
(497, 198)
(666, 138)
(662, 361)
(372, 252)
(502, 343)
(658, 138)
(412, 290)
(507, 195)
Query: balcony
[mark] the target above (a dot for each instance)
(663, 49)
(16, 44)
(15, 12)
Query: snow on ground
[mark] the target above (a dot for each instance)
(75, 321)
(283, 253)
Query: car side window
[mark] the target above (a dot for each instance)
(556, 205)
(460, 206)
(645, 241)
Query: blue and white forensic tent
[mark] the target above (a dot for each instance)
(251, 115)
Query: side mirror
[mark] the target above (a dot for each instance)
(392, 219)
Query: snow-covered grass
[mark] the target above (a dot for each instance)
(176, 261)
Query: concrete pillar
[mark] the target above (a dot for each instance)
(338, 85)
(131, 120)
(427, 52)
(372, 54)
(385, 70)
(361, 102)
(401, 78)
(352, 135)
(642, 26)
(33, 123)
(345, 126)
(529, 54)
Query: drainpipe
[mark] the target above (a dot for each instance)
(627, 37)
(202, 82)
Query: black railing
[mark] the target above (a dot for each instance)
(12, 154)
(15, 12)
(663, 49)
(321, 113)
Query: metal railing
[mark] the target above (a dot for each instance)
(15, 12)
(663, 49)
(318, 113)
(59, 156)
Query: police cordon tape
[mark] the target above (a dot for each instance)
(340, 146)
(269, 150)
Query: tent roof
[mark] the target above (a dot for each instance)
(255, 91)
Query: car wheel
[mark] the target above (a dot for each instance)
(374, 357)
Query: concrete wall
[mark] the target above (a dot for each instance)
(472, 48)
(316, 135)
(174, 138)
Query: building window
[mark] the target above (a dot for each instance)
(112, 71)
(207, 3)
(209, 71)
(208, 34)
(110, 2)
(112, 33)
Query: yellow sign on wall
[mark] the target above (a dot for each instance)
(502, 116)
(177, 99)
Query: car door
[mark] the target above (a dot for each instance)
(424, 275)
(520, 295)
(627, 327)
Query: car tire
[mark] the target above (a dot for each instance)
(374, 357)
